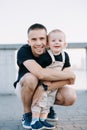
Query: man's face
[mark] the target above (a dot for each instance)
(37, 40)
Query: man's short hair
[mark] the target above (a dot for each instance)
(36, 26)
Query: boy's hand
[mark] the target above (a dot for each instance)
(48, 83)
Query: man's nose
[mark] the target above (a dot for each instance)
(39, 42)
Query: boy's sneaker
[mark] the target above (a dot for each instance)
(47, 125)
(26, 120)
(52, 116)
(37, 126)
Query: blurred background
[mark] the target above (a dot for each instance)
(17, 15)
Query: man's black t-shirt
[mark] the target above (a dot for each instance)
(25, 53)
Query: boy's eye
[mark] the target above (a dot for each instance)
(53, 40)
(60, 40)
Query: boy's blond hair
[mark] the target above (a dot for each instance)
(56, 30)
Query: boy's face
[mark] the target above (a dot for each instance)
(37, 40)
(56, 42)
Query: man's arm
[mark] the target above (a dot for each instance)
(60, 83)
(47, 73)
(69, 69)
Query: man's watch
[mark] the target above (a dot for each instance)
(45, 87)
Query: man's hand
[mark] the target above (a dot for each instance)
(37, 95)
(71, 81)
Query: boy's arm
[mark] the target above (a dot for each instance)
(58, 84)
(46, 73)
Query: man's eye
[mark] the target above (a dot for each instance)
(41, 38)
(33, 39)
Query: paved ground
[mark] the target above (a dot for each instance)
(70, 118)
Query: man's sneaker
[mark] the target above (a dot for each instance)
(30, 115)
(37, 126)
(23, 120)
(52, 116)
(26, 120)
(47, 125)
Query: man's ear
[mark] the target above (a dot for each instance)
(28, 42)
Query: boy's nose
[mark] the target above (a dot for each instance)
(57, 42)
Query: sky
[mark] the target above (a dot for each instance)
(17, 15)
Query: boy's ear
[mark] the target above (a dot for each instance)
(65, 45)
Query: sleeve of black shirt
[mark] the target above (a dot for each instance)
(24, 54)
(67, 61)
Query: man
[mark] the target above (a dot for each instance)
(30, 62)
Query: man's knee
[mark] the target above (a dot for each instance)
(66, 96)
(71, 96)
(29, 81)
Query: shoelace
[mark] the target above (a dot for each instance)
(38, 123)
(28, 118)
(46, 123)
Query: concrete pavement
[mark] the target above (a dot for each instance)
(70, 118)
